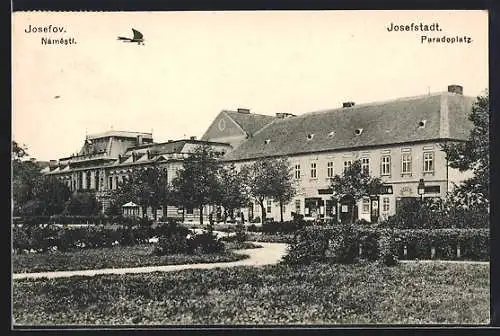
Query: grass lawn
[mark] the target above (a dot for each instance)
(412, 293)
(109, 257)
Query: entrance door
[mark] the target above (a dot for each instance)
(374, 208)
(347, 207)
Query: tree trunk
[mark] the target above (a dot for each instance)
(144, 211)
(164, 210)
(155, 213)
(263, 211)
(281, 211)
(201, 214)
(352, 213)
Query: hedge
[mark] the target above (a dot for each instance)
(91, 220)
(43, 237)
(348, 243)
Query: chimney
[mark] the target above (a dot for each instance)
(244, 110)
(192, 138)
(139, 140)
(458, 89)
(134, 157)
(348, 104)
(53, 163)
(168, 141)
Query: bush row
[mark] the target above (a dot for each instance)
(347, 243)
(43, 237)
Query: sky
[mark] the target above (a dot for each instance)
(195, 64)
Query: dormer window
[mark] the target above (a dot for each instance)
(422, 123)
(310, 136)
(267, 141)
(331, 134)
(358, 131)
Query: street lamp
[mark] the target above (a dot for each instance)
(421, 189)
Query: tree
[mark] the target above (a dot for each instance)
(48, 197)
(232, 189)
(147, 187)
(83, 204)
(270, 178)
(355, 184)
(197, 183)
(473, 154)
(24, 174)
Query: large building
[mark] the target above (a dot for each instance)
(398, 141)
(105, 159)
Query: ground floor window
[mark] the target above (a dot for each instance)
(386, 205)
(269, 203)
(366, 205)
(297, 206)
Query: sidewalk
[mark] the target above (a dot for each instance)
(270, 253)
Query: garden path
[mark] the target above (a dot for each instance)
(270, 253)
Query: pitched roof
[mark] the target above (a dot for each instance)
(250, 123)
(382, 123)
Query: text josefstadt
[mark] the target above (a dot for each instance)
(420, 26)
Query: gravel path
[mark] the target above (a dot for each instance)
(270, 253)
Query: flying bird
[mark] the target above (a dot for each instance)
(57, 97)
(138, 37)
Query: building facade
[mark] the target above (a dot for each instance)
(399, 141)
(106, 159)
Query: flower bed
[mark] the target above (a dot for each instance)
(112, 257)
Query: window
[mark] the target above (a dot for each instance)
(269, 206)
(329, 169)
(386, 205)
(366, 205)
(385, 168)
(428, 162)
(406, 163)
(189, 211)
(297, 206)
(116, 183)
(110, 181)
(347, 164)
(365, 166)
(313, 170)
(297, 171)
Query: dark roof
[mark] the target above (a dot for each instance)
(175, 146)
(250, 122)
(383, 123)
(91, 146)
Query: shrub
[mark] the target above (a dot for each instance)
(174, 244)
(241, 235)
(436, 214)
(343, 243)
(205, 243)
(173, 239)
(255, 220)
(387, 245)
(362, 222)
(307, 246)
(254, 228)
